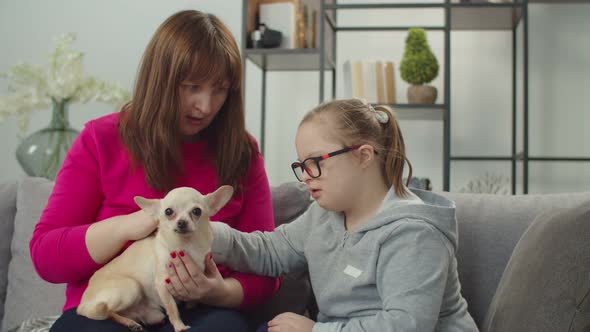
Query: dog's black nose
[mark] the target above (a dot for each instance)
(182, 224)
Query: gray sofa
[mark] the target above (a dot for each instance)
(524, 261)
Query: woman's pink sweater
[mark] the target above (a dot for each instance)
(97, 182)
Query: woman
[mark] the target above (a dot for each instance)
(184, 127)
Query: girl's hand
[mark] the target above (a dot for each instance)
(186, 283)
(290, 322)
(138, 225)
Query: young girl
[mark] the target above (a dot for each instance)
(184, 127)
(380, 257)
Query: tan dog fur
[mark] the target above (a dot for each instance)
(131, 288)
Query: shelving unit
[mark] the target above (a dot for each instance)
(457, 16)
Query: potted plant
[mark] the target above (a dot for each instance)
(418, 67)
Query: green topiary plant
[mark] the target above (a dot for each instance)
(419, 64)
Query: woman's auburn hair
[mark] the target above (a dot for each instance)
(196, 46)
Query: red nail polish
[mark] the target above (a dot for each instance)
(169, 265)
(173, 254)
(167, 280)
(181, 253)
(209, 256)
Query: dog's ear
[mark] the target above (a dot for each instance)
(150, 206)
(217, 199)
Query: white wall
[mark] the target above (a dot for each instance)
(559, 85)
(113, 34)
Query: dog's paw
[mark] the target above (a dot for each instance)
(181, 327)
(136, 327)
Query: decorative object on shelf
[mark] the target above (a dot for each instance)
(418, 67)
(263, 37)
(60, 85)
(281, 16)
(297, 20)
(488, 184)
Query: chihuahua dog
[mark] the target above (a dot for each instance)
(131, 288)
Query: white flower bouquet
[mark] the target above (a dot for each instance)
(34, 87)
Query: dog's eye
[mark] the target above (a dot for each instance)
(196, 212)
(168, 212)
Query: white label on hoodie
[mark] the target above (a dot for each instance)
(352, 271)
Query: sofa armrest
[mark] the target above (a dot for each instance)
(7, 213)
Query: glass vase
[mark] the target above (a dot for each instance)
(42, 153)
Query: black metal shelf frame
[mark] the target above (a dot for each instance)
(457, 16)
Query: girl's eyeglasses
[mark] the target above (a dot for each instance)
(311, 165)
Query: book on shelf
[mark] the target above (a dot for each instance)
(353, 79)
(313, 29)
(380, 75)
(373, 81)
(370, 80)
(390, 83)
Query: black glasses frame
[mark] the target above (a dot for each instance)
(301, 164)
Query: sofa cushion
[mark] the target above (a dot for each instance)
(27, 294)
(489, 228)
(7, 213)
(545, 285)
(289, 200)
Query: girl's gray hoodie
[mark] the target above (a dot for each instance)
(396, 272)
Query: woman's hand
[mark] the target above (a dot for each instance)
(186, 283)
(138, 225)
(290, 322)
(105, 239)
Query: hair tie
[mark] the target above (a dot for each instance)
(381, 116)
